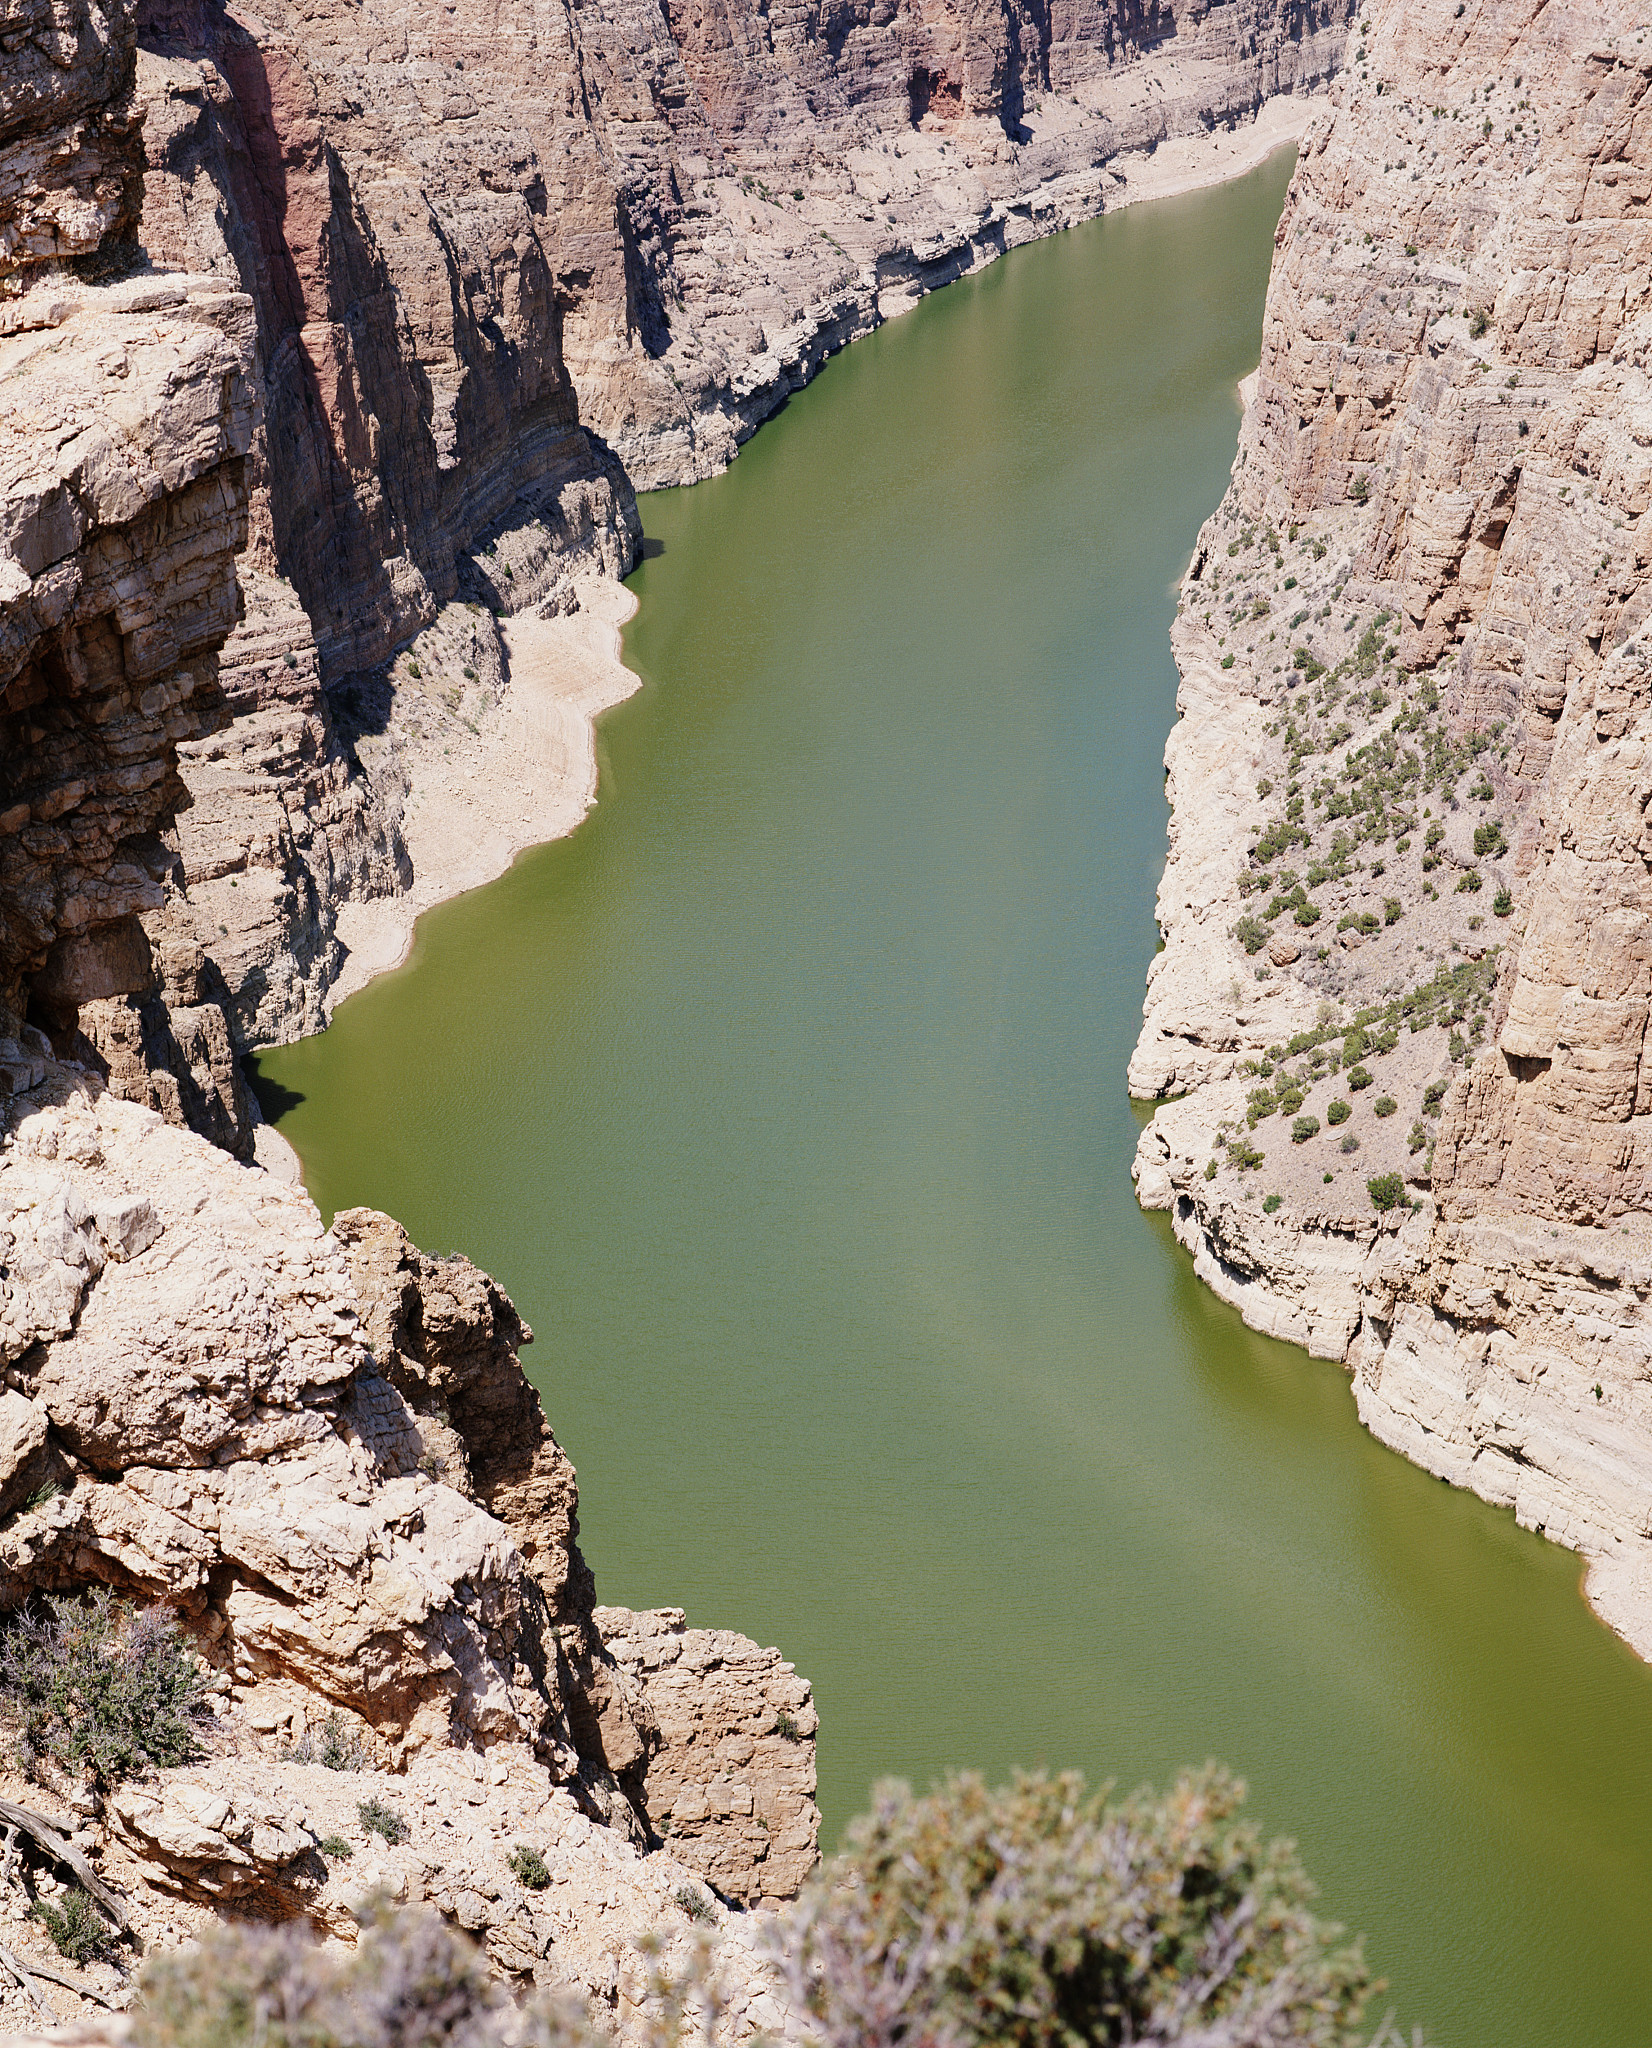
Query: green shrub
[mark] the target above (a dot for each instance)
(529, 1867)
(1502, 904)
(1387, 1191)
(785, 1725)
(1307, 914)
(1468, 883)
(1385, 1105)
(1036, 1916)
(336, 1748)
(694, 1902)
(1210, 1170)
(1303, 1129)
(1252, 934)
(1392, 910)
(99, 1687)
(1358, 1078)
(1417, 1138)
(379, 1819)
(1271, 1204)
(336, 1848)
(1488, 839)
(1338, 1112)
(78, 1930)
(1349, 1142)
(1227, 661)
(414, 670)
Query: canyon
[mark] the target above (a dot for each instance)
(333, 351)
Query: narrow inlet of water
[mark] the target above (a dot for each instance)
(787, 1100)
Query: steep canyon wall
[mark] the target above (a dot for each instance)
(1408, 892)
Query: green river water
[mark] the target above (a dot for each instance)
(787, 1100)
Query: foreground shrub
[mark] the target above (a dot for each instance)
(1304, 1128)
(1387, 1191)
(409, 1983)
(100, 1688)
(1036, 1916)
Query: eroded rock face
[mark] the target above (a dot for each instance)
(71, 148)
(1446, 450)
(128, 416)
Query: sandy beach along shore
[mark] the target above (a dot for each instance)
(527, 776)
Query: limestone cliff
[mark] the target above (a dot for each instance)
(1408, 891)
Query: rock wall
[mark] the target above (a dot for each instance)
(1409, 868)
(129, 408)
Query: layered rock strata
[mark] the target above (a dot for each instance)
(1408, 891)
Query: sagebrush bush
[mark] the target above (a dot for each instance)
(335, 1748)
(78, 1930)
(528, 1866)
(99, 1687)
(694, 1902)
(1304, 1128)
(1038, 1916)
(378, 1818)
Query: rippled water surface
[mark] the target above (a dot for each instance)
(787, 1099)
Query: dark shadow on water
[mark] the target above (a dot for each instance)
(651, 549)
(274, 1097)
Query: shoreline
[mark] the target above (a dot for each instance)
(530, 776)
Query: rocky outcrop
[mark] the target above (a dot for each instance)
(728, 1782)
(1407, 836)
(321, 1450)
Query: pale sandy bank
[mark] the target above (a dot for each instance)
(529, 775)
